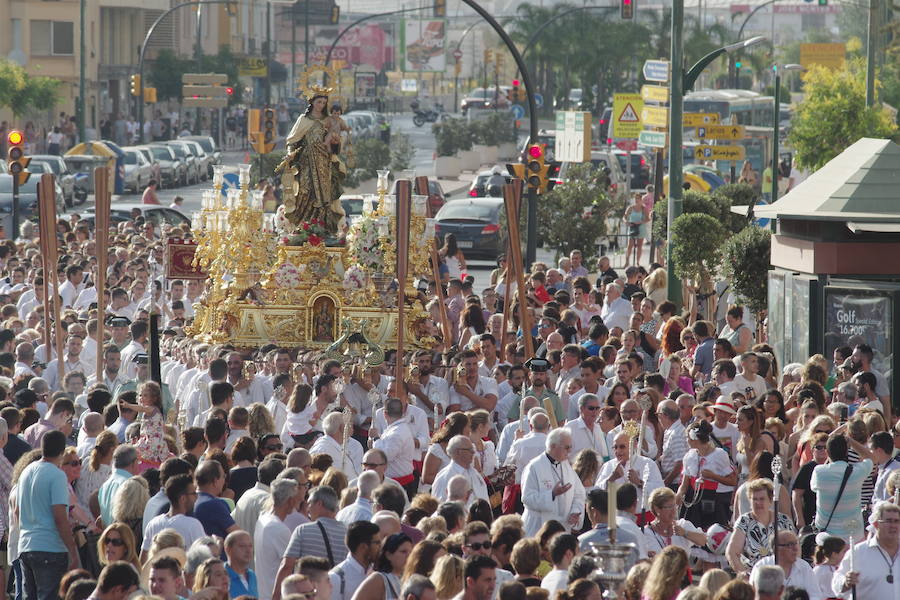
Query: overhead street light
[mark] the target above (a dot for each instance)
(690, 78)
(745, 44)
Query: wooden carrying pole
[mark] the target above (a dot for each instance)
(512, 198)
(101, 242)
(507, 295)
(49, 246)
(446, 329)
(404, 207)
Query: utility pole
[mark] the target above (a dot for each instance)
(871, 43)
(306, 60)
(268, 90)
(82, 113)
(676, 109)
(293, 47)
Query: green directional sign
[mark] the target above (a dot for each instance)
(653, 139)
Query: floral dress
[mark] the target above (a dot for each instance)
(152, 445)
(758, 542)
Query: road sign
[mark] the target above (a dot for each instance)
(656, 70)
(204, 102)
(204, 79)
(627, 145)
(538, 100)
(828, 55)
(518, 111)
(655, 93)
(230, 181)
(457, 54)
(626, 115)
(721, 132)
(697, 119)
(573, 136)
(204, 91)
(655, 116)
(653, 139)
(704, 152)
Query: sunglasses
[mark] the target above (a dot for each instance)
(370, 465)
(479, 545)
(118, 542)
(72, 463)
(592, 408)
(820, 447)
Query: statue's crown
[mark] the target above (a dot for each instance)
(317, 90)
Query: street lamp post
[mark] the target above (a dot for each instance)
(776, 118)
(679, 84)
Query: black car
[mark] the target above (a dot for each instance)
(28, 200)
(476, 224)
(640, 168)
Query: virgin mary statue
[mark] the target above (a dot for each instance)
(311, 172)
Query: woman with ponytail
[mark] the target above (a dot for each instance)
(707, 479)
(580, 589)
(830, 551)
(96, 470)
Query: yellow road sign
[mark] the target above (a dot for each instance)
(826, 55)
(720, 132)
(626, 115)
(655, 116)
(655, 93)
(704, 152)
(697, 119)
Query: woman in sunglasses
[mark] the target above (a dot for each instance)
(117, 543)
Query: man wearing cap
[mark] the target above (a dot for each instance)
(540, 377)
(550, 487)
(725, 431)
(471, 390)
(118, 329)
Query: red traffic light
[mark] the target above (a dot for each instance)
(626, 2)
(516, 82)
(229, 90)
(535, 151)
(15, 138)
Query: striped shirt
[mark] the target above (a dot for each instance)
(825, 482)
(307, 540)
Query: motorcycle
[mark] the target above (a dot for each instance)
(420, 117)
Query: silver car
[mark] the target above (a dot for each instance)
(204, 160)
(64, 175)
(154, 165)
(172, 169)
(138, 170)
(209, 146)
(192, 165)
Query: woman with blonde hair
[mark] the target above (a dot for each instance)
(736, 589)
(128, 505)
(655, 284)
(667, 572)
(212, 573)
(587, 466)
(335, 479)
(447, 576)
(713, 580)
(117, 543)
(485, 453)
(260, 420)
(635, 579)
(804, 453)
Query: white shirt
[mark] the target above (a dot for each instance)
(154, 505)
(540, 477)
(190, 529)
(716, 461)
(442, 479)
(801, 576)
(127, 354)
(524, 450)
(751, 389)
(51, 373)
(555, 580)
(270, 540)
(654, 542)
(582, 438)
(415, 419)
(485, 386)
(278, 410)
(869, 561)
(728, 435)
(884, 471)
(646, 469)
(649, 437)
(247, 510)
(626, 521)
(617, 314)
(397, 443)
(350, 464)
(437, 390)
(347, 575)
(507, 437)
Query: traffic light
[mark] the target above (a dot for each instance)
(517, 94)
(440, 8)
(535, 168)
(823, 2)
(229, 90)
(135, 85)
(335, 14)
(150, 95)
(488, 55)
(738, 64)
(16, 160)
(516, 170)
(268, 125)
(261, 129)
(627, 9)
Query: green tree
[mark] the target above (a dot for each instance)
(746, 258)
(833, 115)
(734, 194)
(22, 92)
(693, 202)
(573, 215)
(402, 152)
(697, 247)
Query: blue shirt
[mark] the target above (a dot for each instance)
(42, 485)
(592, 348)
(118, 427)
(213, 514)
(703, 356)
(108, 492)
(236, 586)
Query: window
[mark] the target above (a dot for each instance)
(52, 38)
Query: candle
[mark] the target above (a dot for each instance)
(851, 553)
(244, 175)
(611, 504)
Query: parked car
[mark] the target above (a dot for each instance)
(436, 196)
(479, 189)
(484, 98)
(156, 171)
(172, 169)
(58, 167)
(204, 160)
(607, 161)
(138, 170)
(28, 200)
(209, 146)
(121, 211)
(191, 164)
(546, 137)
(366, 121)
(640, 168)
(476, 224)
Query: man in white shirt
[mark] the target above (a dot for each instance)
(415, 418)
(397, 443)
(516, 429)
(747, 381)
(271, 535)
(246, 390)
(363, 546)
(876, 560)
(563, 548)
(137, 344)
(72, 362)
(487, 347)
(112, 363)
(250, 506)
(725, 431)
(550, 487)
(71, 287)
(182, 493)
(585, 430)
(675, 444)
(430, 392)
(591, 383)
(471, 390)
(631, 411)
(638, 470)
(526, 448)
(616, 311)
(797, 572)
(361, 509)
(462, 458)
(332, 444)
(570, 368)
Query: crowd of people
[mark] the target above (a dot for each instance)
(485, 473)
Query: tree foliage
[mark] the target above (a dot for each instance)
(22, 92)
(697, 247)
(573, 215)
(693, 202)
(734, 194)
(833, 114)
(746, 257)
